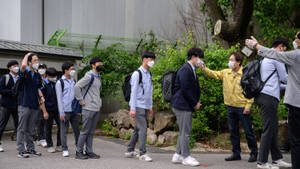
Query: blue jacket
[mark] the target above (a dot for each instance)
(187, 89)
(32, 82)
(8, 100)
(50, 96)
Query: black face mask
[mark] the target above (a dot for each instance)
(99, 68)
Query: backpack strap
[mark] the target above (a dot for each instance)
(269, 76)
(7, 77)
(90, 84)
(62, 84)
(140, 76)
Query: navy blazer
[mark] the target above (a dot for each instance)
(187, 89)
(7, 100)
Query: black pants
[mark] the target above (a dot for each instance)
(235, 115)
(294, 135)
(4, 117)
(269, 137)
(41, 126)
(53, 116)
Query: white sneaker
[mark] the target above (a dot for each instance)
(281, 164)
(145, 157)
(51, 150)
(266, 166)
(65, 154)
(190, 161)
(58, 148)
(1, 148)
(177, 158)
(43, 143)
(131, 154)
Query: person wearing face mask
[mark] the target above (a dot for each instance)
(65, 95)
(238, 107)
(41, 123)
(87, 92)
(184, 102)
(8, 102)
(30, 98)
(292, 94)
(51, 108)
(268, 101)
(141, 106)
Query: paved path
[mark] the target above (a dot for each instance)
(112, 157)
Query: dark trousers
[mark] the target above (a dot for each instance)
(268, 142)
(53, 116)
(294, 135)
(235, 115)
(4, 117)
(41, 126)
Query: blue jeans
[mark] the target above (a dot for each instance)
(235, 115)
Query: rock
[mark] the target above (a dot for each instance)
(132, 122)
(120, 119)
(170, 137)
(151, 137)
(163, 121)
(122, 133)
(150, 120)
(161, 139)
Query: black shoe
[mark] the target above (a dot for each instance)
(92, 155)
(81, 156)
(33, 152)
(252, 158)
(23, 155)
(233, 158)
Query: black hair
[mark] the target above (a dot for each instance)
(94, 60)
(66, 66)
(148, 54)
(11, 63)
(51, 71)
(42, 66)
(195, 52)
(31, 55)
(238, 57)
(278, 41)
(298, 35)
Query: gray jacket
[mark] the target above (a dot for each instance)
(292, 60)
(92, 100)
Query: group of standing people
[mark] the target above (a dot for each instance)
(28, 91)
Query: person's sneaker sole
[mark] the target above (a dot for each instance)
(24, 156)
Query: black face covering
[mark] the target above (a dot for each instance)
(99, 68)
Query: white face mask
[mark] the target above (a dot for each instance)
(150, 63)
(35, 66)
(199, 62)
(231, 64)
(72, 73)
(295, 45)
(16, 69)
(52, 79)
(42, 71)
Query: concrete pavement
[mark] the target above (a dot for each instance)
(112, 157)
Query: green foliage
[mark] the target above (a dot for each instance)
(274, 17)
(127, 136)
(107, 126)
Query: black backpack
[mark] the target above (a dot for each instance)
(126, 87)
(168, 82)
(251, 81)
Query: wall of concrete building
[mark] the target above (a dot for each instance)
(26, 21)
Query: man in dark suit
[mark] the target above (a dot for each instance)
(8, 102)
(184, 102)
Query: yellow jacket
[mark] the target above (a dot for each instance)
(232, 90)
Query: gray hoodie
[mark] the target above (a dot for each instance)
(92, 100)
